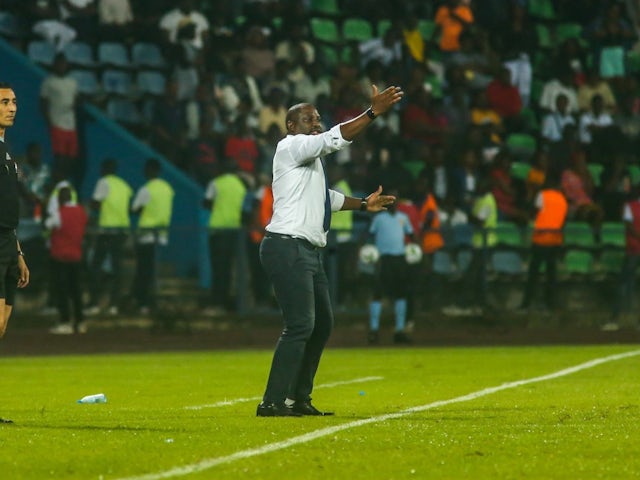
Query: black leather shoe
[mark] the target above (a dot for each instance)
(305, 408)
(275, 410)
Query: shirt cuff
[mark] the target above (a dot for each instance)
(336, 137)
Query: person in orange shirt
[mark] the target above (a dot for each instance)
(546, 242)
(451, 19)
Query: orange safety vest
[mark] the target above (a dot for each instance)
(431, 239)
(550, 218)
(264, 215)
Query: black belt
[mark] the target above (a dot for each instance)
(282, 236)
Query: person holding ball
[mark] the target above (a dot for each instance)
(291, 251)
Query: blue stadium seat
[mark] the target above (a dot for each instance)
(124, 111)
(87, 81)
(41, 52)
(79, 54)
(11, 26)
(507, 262)
(147, 55)
(113, 54)
(442, 263)
(116, 82)
(150, 83)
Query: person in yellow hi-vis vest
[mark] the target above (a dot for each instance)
(224, 197)
(154, 203)
(111, 198)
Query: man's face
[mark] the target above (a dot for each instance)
(306, 122)
(8, 107)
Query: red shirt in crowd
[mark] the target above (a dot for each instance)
(67, 237)
(504, 99)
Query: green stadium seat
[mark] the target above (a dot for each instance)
(520, 170)
(542, 9)
(634, 170)
(595, 169)
(426, 28)
(329, 56)
(356, 29)
(578, 261)
(578, 234)
(565, 31)
(325, 7)
(611, 261)
(530, 120)
(544, 36)
(325, 30)
(509, 234)
(612, 234)
(521, 145)
(414, 167)
(383, 26)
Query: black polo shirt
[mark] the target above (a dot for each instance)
(9, 200)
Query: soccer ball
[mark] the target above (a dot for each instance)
(412, 253)
(369, 254)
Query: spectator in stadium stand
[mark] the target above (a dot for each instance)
(259, 59)
(296, 50)
(59, 99)
(186, 30)
(238, 84)
(388, 229)
(312, 84)
(504, 98)
(386, 49)
(578, 187)
(596, 129)
(627, 120)
(474, 58)
(154, 203)
(537, 174)
(224, 197)
(615, 187)
(46, 22)
(111, 198)
(421, 121)
(436, 172)
(36, 177)
(554, 122)
(116, 20)
(451, 20)
(562, 83)
(273, 111)
(82, 16)
(611, 35)
(241, 146)
(464, 180)
(168, 124)
(65, 248)
(485, 116)
(596, 85)
(547, 239)
(627, 278)
(570, 54)
(507, 191)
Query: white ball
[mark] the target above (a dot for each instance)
(413, 253)
(369, 254)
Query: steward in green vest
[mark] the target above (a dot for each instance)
(111, 199)
(225, 196)
(154, 203)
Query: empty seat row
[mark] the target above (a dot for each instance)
(107, 54)
(117, 82)
(357, 29)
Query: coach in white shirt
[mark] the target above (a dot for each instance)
(291, 251)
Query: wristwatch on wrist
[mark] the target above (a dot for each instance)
(370, 113)
(363, 204)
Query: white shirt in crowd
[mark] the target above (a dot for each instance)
(115, 12)
(173, 20)
(553, 125)
(551, 91)
(60, 93)
(588, 119)
(299, 185)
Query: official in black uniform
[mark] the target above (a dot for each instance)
(13, 269)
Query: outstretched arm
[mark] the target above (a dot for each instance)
(380, 104)
(375, 201)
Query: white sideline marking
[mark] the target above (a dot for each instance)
(323, 432)
(225, 403)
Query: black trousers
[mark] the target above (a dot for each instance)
(68, 290)
(143, 288)
(223, 248)
(302, 290)
(542, 255)
(107, 245)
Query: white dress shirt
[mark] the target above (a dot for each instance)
(299, 185)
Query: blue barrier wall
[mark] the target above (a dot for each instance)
(104, 138)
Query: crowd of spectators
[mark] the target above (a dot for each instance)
(488, 83)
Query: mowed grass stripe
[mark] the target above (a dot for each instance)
(226, 403)
(323, 432)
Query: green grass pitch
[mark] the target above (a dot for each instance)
(581, 424)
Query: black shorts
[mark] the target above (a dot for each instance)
(9, 273)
